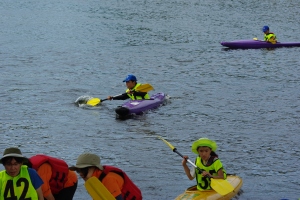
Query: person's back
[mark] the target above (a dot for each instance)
(59, 182)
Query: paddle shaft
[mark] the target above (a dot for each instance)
(175, 150)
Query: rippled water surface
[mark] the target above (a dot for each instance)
(52, 52)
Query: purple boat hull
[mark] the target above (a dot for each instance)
(257, 44)
(140, 106)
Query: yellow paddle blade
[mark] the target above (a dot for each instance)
(255, 38)
(93, 102)
(97, 190)
(221, 186)
(165, 141)
(146, 87)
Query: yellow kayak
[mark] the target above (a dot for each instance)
(193, 194)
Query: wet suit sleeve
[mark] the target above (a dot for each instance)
(121, 97)
(141, 94)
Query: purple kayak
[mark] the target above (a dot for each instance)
(257, 44)
(140, 106)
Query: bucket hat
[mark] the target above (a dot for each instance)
(204, 142)
(130, 77)
(87, 160)
(12, 152)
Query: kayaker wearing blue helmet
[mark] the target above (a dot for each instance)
(208, 161)
(131, 84)
(269, 37)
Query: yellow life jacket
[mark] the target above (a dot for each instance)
(133, 97)
(270, 37)
(18, 187)
(203, 183)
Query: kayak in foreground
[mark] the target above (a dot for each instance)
(140, 106)
(193, 194)
(257, 44)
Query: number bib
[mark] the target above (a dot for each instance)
(18, 187)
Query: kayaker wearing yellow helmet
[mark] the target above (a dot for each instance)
(208, 161)
(131, 84)
(269, 37)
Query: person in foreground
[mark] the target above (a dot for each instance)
(115, 180)
(17, 181)
(59, 182)
(269, 37)
(208, 161)
(131, 84)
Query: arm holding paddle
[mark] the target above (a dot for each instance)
(191, 176)
(134, 90)
(186, 168)
(125, 96)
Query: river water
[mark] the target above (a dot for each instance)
(52, 52)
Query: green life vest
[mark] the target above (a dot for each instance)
(203, 183)
(18, 187)
(270, 37)
(133, 97)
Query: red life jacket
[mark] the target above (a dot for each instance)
(59, 168)
(129, 191)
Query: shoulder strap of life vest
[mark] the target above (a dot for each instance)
(129, 191)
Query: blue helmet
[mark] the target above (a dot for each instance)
(265, 28)
(130, 77)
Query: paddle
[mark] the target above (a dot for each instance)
(142, 88)
(97, 190)
(258, 39)
(146, 87)
(221, 186)
(94, 101)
